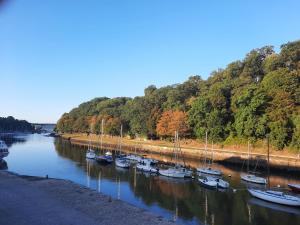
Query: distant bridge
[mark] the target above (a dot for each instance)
(46, 127)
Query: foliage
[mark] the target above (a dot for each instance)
(248, 100)
(10, 124)
(172, 121)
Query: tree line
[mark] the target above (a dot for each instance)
(251, 99)
(10, 124)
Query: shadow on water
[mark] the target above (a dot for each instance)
(3, 164)
(185, 200)
(11, 139)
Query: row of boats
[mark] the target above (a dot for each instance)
(206, 176)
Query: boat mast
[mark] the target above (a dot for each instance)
(121, 136)
(205, 146)
(268, 161)
(102, 125)
(248, 156)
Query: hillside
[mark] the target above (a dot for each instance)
(10, 124)
(251, 99)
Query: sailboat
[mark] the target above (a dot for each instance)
(147, 165)
(90, 154)
(275, 196)
(251, 177)
(178, 171)
(134, 157)
(213, 182)
(121, 161)
(107, 157)
(208, 169)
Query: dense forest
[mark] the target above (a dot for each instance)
(251, 99)
(10, 124)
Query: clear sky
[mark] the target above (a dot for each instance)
(55, 54)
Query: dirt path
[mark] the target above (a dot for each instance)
(35, 201)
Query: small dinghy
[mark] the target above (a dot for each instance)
(275, 197)
(107, 158)
(210, 171)
(211, 181)
(90, 154)
(123, 163)
(146, 166)
(253, 179)
(294, 187)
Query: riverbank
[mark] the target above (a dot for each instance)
(281, 160)
(34, 200)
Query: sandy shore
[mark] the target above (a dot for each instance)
(33, 201)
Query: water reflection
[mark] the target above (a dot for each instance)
(186, 201)
(3, 164)
(183, 201)
(11, 139)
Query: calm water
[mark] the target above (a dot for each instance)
(183, 201)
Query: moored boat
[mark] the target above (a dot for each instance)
(253, 179)
(275, 197)
(176, 172)
(90, 154)
(212, 181)
(210, 171)
(146, 166)
(294, 187)
(3, 149)
(133, 158)
(209, 183)
(123, 163)
(106, 158)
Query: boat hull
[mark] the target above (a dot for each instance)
(294, 187)
(122, 164)
(209, 171)
(275, 198)
(208, 183)
(172, 174)
(149, 169)
(254, 179)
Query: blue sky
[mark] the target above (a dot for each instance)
(55, 54)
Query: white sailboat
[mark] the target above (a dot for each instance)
(107, 157)
(146, 165)
(121, 161)
(275, 197)
(213, 182)
(134, 158)
(208, 169)
(90, 154)
(178, 171)
(251, 177)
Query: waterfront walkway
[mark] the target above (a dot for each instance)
(34, 201)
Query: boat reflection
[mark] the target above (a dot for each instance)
(3, 164)
(273, 206)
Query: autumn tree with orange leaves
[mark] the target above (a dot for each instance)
(172, 121)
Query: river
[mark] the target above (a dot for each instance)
(183, 201)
